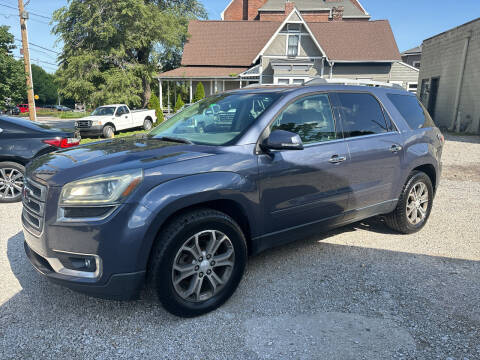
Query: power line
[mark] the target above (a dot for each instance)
(41, 47)
(42, 61)
(14, 8)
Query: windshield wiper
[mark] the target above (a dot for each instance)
(175, 139)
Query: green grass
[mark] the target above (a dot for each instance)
(119, 135)
(57, 114)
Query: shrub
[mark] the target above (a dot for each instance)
(199, 92)
(179, 104)
(154, 104)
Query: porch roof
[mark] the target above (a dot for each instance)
(203, 72)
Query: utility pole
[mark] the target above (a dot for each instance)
(26, 59)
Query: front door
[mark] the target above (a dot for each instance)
(124, 118)
(375, 151)
(299, 187)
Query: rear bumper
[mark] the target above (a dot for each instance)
(124, 286)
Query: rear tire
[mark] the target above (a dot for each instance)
(183, 260)
(147, 124)
(414, 205)
(11, 181)
(108, 131)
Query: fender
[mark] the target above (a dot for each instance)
(169, 197)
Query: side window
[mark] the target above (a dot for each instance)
(310, 117)
(412, 111)
(362, 115)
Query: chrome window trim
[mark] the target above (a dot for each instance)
(62, 218)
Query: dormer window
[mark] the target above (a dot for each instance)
(293, 42)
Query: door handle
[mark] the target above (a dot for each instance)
(395, 148)
(335, 159)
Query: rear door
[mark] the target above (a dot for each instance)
(299, 187)
(375, 150)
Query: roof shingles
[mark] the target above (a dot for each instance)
(230, 44)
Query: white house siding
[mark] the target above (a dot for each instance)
(403, 74)
(442, 57)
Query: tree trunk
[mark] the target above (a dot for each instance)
(147, 91)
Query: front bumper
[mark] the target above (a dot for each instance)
(119, 244)
(94, 130)
(124, 286)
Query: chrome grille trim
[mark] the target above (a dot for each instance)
(84, 123)
(33, 213)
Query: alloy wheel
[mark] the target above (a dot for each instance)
(11, 183)
(417, 203)
(203, 265)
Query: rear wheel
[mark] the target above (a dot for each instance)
(108, 131)
(414, 205)
(11, 181)
(198, 262)
(147, 124)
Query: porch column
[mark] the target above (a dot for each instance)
(322, 71)
(160, 93)
(191, 91)
(216, 86)
(331, 69)
(211, 87)
(168, 97)
(240, 83)
(223, 85)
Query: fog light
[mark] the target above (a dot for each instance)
(76, 262)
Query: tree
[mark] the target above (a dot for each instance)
(112, 48)
(154, 104)
(199, 92)
(44, 86)
(179, 104)
(13, 89)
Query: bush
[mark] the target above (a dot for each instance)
(199, 92)
(179, 104)
(154, 104)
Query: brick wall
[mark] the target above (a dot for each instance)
(234, 11)
(253, 6)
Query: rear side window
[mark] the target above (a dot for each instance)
(362, 115)
(412, 111)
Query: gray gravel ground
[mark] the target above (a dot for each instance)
(360, 292)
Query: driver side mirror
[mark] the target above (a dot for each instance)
(282, 140)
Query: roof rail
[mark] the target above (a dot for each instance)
(345, 81)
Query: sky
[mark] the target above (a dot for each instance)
(412, 21)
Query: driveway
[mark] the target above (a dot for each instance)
(359, 292)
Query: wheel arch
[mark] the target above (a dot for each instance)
(111, 124)
(429, 169)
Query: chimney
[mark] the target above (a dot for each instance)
(289, 6)
(337, 13)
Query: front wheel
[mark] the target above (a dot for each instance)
(198, 262)
(11, 182)
(414, 205)
(108, 131)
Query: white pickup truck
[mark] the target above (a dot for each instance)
(106, 120)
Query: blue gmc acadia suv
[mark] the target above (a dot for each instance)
(234, 174)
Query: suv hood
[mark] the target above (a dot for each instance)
(108, 156)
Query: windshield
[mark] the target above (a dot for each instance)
(216, 120)
(103, 111)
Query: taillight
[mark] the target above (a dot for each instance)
(62, 142)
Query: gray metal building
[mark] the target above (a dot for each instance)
(450, 78)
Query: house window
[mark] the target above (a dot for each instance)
(416, 64)
(412, 87)
(293, 41)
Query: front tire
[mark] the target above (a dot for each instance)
(11, 181)
(198, 262)
(108, 131)
(414, 205)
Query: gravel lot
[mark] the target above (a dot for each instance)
(360, 292)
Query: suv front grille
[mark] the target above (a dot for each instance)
(33, 200)
(84, 123)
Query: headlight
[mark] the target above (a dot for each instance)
(96, 122)
(102, 189)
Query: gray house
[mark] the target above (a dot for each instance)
(450, 78)
(413, 56)
(229, 54)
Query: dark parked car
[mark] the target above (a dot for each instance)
(62, 108)
(231, 175)
(11, 110)
(21, 141)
